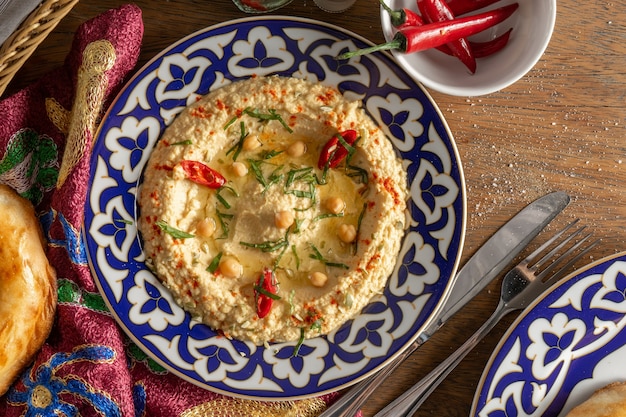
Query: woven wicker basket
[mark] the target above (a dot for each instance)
(23, 42)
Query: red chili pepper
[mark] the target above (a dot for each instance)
(438, 11)
(419, 38)
(486, 48)
(202, 174)
(402, 17)
(460, 7)
(407, 17)
(334, 151)
(254, 5)
(265, 292)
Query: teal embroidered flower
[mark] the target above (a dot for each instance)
(135, 354)
(70, 293)
(42, 388)
(30, 164)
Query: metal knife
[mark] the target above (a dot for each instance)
(488, 261)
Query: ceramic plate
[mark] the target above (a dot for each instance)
(571, 342)
(207, 60)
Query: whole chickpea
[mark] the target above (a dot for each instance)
(239, 169)
(205, 227)
(318, 279)
(284, 219)
(335, 205)
(230, 267)
(251, 142)
(296, 149)
(346, 233)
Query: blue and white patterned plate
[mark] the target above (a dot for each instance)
(207, 60)
(569, 343)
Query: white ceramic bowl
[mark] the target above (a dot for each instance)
(532, 23)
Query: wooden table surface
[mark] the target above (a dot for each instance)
(561, 127)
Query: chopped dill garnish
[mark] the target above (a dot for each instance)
(215, 263)
(353, 170)
(231, 122)
(297, 224)
(269, 245)
(237, 147)
(326, 216)
(317, 325)
(224, 219)
(274, 177)
(175, 233)
(266, 293)
(301, 182)
(295, 256)
(318, 255)
(270, 154)
(350, 148)
(358, 226)
(270, 115)
(221, 198)
(296, 349)
(282, 253)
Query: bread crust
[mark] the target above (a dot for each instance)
(608, 401)
(28, 291)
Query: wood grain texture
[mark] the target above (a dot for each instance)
(561, 127)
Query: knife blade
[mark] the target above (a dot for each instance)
(484, 265)
(495, 254)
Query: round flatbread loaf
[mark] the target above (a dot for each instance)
(28, 293)
(609, 401)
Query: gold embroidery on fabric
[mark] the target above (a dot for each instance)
(58, 115)
(41, 397)
(228, 407)
(98, 57)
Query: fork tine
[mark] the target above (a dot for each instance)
(550, 241)
(556, 275)
(567, 253)
(537, 265)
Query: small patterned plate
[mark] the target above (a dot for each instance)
(571, 342)
(207, 60)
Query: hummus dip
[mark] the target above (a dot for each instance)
(257, 225)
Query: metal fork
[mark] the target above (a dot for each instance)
(520, 286)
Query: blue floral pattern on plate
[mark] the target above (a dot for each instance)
(208, 60)
(561, 349)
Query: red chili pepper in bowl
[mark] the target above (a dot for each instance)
(480, 49)
(334, 151)
(202, 174)
(438, 11)
(402, 17)
(265, 292)
(491, 46)
(419, 38)
(407, 17)
(254, 5)
(460, 7)
(485, 48)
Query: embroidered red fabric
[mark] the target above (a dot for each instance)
(88, 366)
